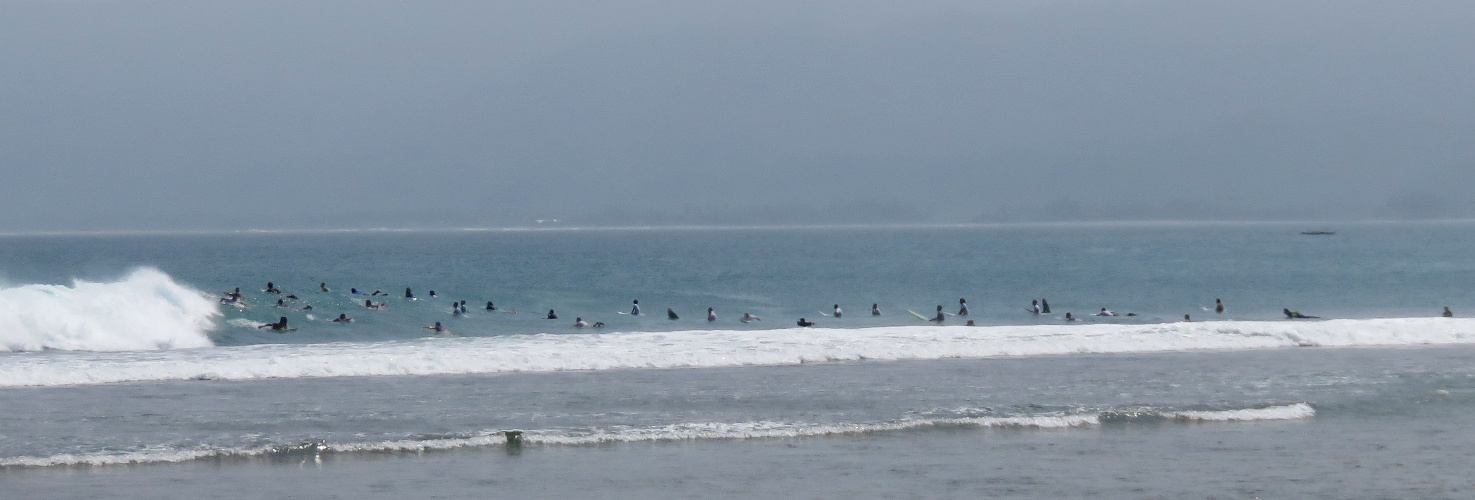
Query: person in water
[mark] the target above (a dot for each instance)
(323, 287)
(749, 318)
(1034, 305)
(1068, 317)
(940, 316)
(409, 294)
(1448, 313)
(437, 328)
(1218, 306)
(1105, 312)
(343, 318)
(1044, 306)
(456, 309)
(875, 310)
(280, 325)
(1187, 319)
(962, 307)
(635, 308)
(805, 323)
(711, 315)
(671, 314)
(491, 306)
(838, 312)
(432, 294)
(1297, 314)
(552, 315)
(579, 323)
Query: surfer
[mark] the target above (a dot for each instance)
(343, 318)
(1044, 306)
(875, 310)
(635, 309)
(968, 323)
(371, 305)
(1218, 306)
(1034, 305)
(962, 307)
(432, 294)
(671, 314)
(579, 323)
(293, 297)
(1187, 319)
(491, 306)
(1105, 312)
(456, 309)
(940, 315)
(355, 291)
(377, 292)
(408, 293)
(437, 328)
(280, 303)
(1448, 313)
(280, 325)
(711, 315)
(837, 310)
(552, 315)
(749, 318)
(1297, 314)
(1069, 318)
(323, 287)
(272, 288)
(805, 323)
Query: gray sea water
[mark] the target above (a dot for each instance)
(189, 399)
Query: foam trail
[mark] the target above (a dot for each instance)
(716, 348)
(695, 431)
(146, 310)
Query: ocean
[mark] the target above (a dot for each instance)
(124, 374)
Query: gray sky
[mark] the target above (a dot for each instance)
(202, 114)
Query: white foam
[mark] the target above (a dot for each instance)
(716, 348)
(1288, 412)
(146, 310)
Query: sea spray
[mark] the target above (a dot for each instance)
(145, 310)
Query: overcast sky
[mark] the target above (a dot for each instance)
(244, 114)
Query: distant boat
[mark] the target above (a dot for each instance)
(1319, 232)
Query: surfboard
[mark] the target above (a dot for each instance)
(919, 316)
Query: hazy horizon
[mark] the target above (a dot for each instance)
(165, 115)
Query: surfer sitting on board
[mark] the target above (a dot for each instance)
(711, 315)
(837, 310)
(491, 306)
(1218, 306)
(962, 307)
(635, 309)
(1448, 313)
(552, 315)
(875, 310)
(805, 323)
(671, 314)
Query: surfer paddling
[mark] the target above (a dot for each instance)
(749, 318)
(805, 323)
(280, 325)
(1296, 314)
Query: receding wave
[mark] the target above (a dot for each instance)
(716, 348)
(146, 310)
(699, 431)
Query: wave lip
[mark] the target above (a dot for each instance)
(146, 310)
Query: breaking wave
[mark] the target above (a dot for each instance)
(143, 311)
(700, 431)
